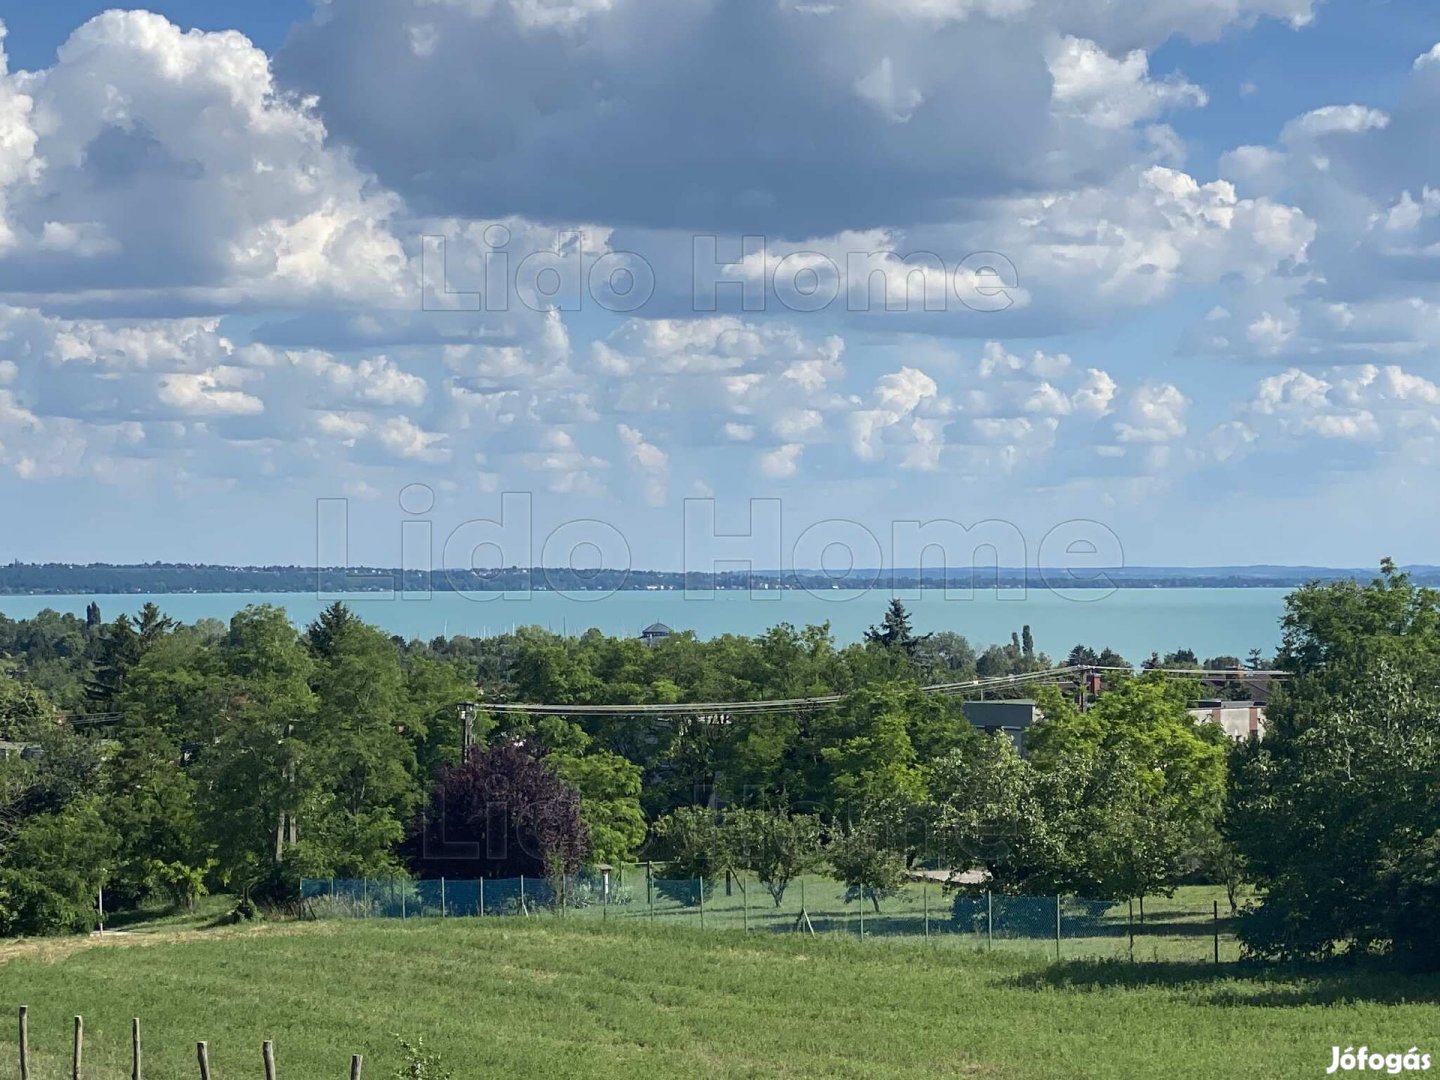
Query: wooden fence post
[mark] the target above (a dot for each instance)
(1216, 926)
(267, 1053)
(79, 1049)
(135, 1048)
(24, 1043)
(202, 1055)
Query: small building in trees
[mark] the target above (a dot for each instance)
(655, 633)
(1011, 717)
(10, 748)
(1239, 719)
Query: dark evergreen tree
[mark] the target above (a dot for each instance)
(118, 651)
(894, 630)
(152, 625)
(1111, 659)
(328, 630)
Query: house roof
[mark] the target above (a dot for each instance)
(656, 628)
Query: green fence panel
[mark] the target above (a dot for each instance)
(1192, 926)
(676, 900)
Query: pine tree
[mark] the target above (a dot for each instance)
(152, 626)
(894, 629)
(117, 652)
(325, 634)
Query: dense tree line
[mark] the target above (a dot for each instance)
(166, 760)
(171, 759)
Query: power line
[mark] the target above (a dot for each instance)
(821, 701)
(79, 719)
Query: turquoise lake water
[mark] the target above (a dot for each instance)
(1135, 622)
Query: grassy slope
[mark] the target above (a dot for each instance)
(542, 998)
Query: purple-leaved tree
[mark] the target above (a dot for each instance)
(502, 813)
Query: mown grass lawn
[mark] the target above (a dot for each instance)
(550, 998)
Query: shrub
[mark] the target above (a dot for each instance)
(419, 1063)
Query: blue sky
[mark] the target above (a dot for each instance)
(1159, 276)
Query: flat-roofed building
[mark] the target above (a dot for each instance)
(1011, 717)
(1238, 719)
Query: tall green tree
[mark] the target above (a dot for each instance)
(868, 755)
(990, 811)
(150, 805)
(254, 777)
(1145, 722)
(360, 764)
(1337, 815)
(1329, 623)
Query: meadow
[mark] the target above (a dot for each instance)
(563, 997)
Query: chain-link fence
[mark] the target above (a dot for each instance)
(1192, 925)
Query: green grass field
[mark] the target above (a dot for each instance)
(552, 998)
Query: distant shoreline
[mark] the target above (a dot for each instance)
(105, 579)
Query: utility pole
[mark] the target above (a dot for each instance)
(467, 728)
